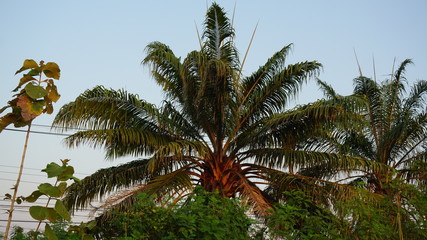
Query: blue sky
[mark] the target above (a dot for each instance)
(102, 43)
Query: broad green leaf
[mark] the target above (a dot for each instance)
(49, 233)
(38, 212)
(35, 92)
(49, 190)
(76, 180)
(52, 70)
(33, 72)
(62, 210)
(67, 174)
(62, 186)
(52, 215)
(28, 63)
(53, 170)
(34, 196)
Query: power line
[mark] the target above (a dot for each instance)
(14, 180)
(47, 126)
(38, 169)
(38, 132)
(1, 165)
(28, 174)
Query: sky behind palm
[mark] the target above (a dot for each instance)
(102, 43)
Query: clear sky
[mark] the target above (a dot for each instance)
(102, 43)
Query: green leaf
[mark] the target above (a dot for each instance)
(49, 190)
(52, 70)
(35, 92)
(91, 224)
(62, 210)
(53, 170)
(33, 196)
(49, 233)
(28, 63)
(33, 72)
(38, 212)
(67, 174)
(88, 237)
(62, 186)
(52, 215)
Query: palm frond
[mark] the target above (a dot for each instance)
(101, 108)
(165, 68)
(323, 192)
(106, 181)
(282, 159)
(172, 183)
(218, 33)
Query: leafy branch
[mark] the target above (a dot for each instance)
(34, 96)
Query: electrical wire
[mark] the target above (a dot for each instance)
(38, 169)
(38, 132)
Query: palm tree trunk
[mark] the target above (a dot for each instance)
(399, 220)
(18, 180)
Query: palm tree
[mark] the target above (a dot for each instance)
(216, 128)
(393, 132)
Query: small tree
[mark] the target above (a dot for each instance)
(62, 173)
(36, 95)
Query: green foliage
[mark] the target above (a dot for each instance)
(144, 220)
(202, 216)
(57, 228)
(300, 218)
(19, 234)
(82, 229)
(59, 212)
(367, 217)
(209, 216)
(36, 95)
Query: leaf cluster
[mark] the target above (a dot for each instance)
(34, 96)
(59, 212)
(202, 216)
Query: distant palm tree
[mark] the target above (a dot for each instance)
(393, 132)
(216, 128)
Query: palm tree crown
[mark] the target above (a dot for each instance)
(393, 132)
(215, 128)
